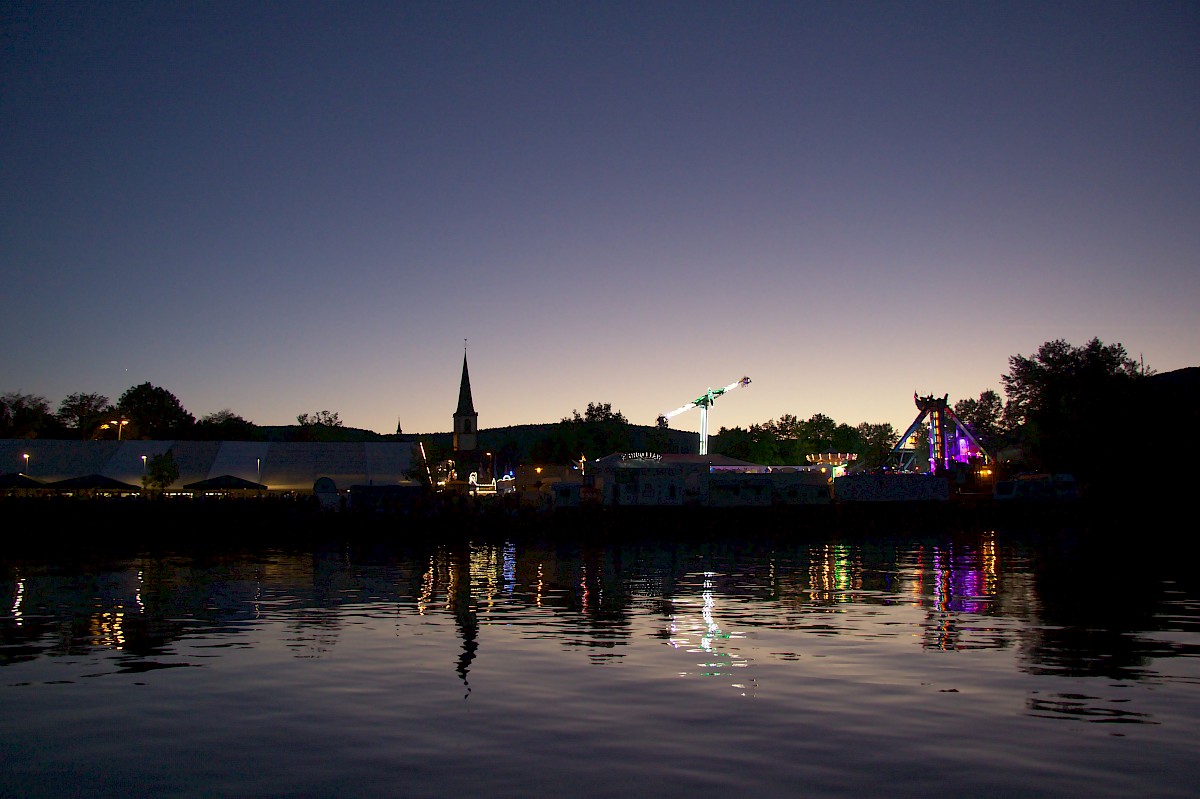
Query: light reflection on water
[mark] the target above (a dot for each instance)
(957, 665)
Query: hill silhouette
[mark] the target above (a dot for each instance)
(516, 442)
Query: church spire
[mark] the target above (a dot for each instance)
(466, 420)
(465, 405)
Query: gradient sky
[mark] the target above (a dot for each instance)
(285, 207)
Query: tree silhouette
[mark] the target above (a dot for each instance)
(985, 416)
(84, 412)
(155, 412)
(161, 471)
(24, 415)
(225, 425)
(1066, 399)
(322, 418)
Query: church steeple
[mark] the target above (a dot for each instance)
(466, 421)
(465, 406)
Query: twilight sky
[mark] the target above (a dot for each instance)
(285, 207)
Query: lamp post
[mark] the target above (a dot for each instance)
(26, 457)
(259, 462)
(143, 468)
(120, 423)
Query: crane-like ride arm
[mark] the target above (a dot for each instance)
(703, 402)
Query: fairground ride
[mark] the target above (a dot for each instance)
(950, 441)
(703, 402)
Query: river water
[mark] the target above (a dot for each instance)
(949, 665)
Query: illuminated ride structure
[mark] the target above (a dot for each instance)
(950, 441)
(703, 402)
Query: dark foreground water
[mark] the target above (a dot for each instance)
(950, 665)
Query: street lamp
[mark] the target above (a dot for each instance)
(120, 423)
(143, 467)
(26, 457)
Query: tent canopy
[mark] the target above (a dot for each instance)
(225, 482)
(19, 480)
(93, 482)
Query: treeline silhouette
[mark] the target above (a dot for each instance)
(1065, 408)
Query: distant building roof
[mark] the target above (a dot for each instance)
(710, 460)
(673, 459)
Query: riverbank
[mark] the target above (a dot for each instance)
(90, 526)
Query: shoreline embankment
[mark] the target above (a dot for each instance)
(70, 527)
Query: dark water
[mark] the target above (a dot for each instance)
(970, 665)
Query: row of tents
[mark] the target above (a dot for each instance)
(98, 482)
(283, 467)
